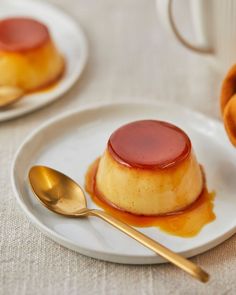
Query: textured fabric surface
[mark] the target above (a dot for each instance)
(131, 57)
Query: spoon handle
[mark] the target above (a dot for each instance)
(166, 253)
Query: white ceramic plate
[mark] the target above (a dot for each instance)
(69, 39)
(71, 142)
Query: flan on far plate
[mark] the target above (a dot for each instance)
(29, 58)
(149, 168)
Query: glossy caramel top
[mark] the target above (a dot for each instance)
(20, 34)
(149, 144)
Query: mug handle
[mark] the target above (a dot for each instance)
(166, 8)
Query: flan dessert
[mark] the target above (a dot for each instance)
(149, 168)
(29, 58)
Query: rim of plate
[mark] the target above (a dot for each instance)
(100, 254)
(71, 80)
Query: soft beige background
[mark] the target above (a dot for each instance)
(130, 57)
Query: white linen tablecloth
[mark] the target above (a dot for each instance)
(131, 57)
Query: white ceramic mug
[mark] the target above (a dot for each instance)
(215, 27)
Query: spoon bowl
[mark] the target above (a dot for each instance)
(9, 95)
(62, 195)
(57, 191)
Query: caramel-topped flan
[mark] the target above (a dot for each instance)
(149, 168)
(29, 58)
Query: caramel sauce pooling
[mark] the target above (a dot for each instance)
(186, 223)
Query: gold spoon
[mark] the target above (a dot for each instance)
(9, 95)
(62, 195)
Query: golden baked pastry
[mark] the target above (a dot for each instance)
(228, 104)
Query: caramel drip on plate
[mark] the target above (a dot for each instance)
(187, 223)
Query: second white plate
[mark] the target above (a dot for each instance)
(71, 142)
(69, 39)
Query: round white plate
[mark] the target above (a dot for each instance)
(71, 142)
(69, 39)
